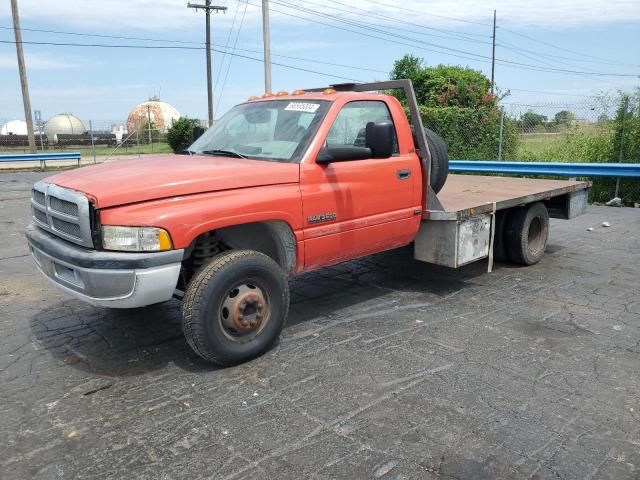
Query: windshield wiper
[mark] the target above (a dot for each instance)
(227, 153)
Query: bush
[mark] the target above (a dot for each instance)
(472, 133)
(180, 135)
(600, 145)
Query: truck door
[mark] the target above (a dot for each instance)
(357, 207)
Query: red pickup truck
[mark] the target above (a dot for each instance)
(280, 185)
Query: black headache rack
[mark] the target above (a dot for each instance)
(431, 202)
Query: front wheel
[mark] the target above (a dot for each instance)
(235, 307)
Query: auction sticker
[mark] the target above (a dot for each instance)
(302, 107)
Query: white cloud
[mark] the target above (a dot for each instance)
(172, 15)
(9, 61)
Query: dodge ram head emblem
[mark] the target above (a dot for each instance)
(323, 217)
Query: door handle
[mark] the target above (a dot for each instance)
(403, 174)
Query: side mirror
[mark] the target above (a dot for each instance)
(343, 154)
(379, 138)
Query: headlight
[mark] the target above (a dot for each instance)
(135, 239)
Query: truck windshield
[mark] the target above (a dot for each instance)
(275, 130)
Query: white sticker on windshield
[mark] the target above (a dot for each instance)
(302, 107)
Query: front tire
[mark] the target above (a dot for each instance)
(235, 307)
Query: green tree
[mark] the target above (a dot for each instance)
(444, 85)
(455, 102)
(531, 119)
(180, 135)
(564, 117)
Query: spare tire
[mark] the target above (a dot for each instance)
(439, 160)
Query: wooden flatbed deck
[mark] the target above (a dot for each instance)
(469, 195)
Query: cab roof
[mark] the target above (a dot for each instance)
(330, 96)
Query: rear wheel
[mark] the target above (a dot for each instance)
(235, 307)
(439, 160)
(526, 234)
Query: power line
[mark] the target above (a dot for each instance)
(431, 14)
(366, 27)
(551, 93)
(450, 33)
(233, 50)
(172, 47)
(442, 49)
(447, 50)
(226, 46)
(557, 47)
(513, 47)
(96, 35)
(118, 37)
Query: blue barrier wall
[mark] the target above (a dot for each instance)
(621, 170)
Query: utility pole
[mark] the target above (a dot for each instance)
(493, 53)
(23, 76)
(266, 39)
(207, 7)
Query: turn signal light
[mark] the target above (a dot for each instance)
(281, 93)
(328, 91)
(267, 95)
(298, 92)
(253, 97)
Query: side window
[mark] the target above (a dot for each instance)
(349, 127)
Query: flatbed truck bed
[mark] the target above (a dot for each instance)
(465, 221)
(468, 195)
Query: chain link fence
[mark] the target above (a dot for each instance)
(598, 129)
(90, 138)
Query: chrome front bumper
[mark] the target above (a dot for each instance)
(108, 279)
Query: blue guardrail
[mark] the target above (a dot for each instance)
(41, 157)
(622, 170)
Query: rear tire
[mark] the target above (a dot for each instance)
(439, 160)
(526, 234)
(235, 307)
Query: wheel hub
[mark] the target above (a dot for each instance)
(244, 309)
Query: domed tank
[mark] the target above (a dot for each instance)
(162, 115)
(14, 127)
(63, 123)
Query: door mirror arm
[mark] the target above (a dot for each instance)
(342, 154)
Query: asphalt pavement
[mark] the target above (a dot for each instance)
(388, 368)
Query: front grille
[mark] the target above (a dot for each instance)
(63, 206)
(68, 228)
(40, 216)
(38, 197)
(62, 212)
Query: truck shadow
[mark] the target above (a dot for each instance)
(120, 343)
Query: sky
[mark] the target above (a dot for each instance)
(548, 51)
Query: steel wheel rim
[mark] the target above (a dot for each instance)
(536, 236)
(244, 312)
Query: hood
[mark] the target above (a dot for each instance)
(151, 178)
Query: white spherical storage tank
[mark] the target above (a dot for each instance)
(14, 127)
(161, 114)
(64, 123)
